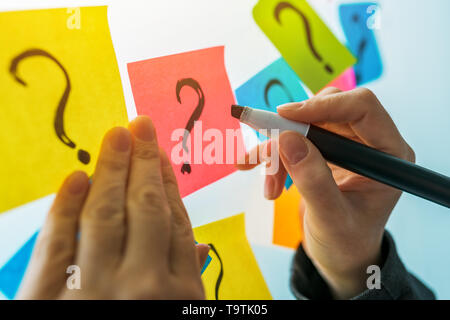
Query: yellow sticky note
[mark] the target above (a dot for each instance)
(61, 91)
(287, 225)
(303, 40)
(233, 272)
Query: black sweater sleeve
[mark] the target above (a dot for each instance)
(396, 282)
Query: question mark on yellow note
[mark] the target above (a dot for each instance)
(286, 5)
(83, 155)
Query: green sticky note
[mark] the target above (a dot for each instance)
(304, 41)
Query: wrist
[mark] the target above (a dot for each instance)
(344, 272)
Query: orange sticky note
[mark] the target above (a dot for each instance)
(188, 96)
(287, 226)
(233, 273)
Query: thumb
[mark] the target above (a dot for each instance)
(309, 171)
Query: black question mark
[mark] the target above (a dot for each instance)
(275, 82)
(286, 5)
(361, 49)
(195, 115)
(220, 277)
(58, 123)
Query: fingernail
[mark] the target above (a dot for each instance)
(142, 128)
(77, 183)
(269, 187)
(293, 147)
(120, 139)
(290, 106)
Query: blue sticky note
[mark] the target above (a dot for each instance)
(275, 85)
(11, 274)
(358, 21)
(207, 262)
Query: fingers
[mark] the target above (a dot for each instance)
(183, 255)
(148, 210)
(360, 109)
(55, 247)
(202, 253)
(274, 183)
(255, 156)
(310, 174)
(103, 217)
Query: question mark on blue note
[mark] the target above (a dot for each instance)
(276, 82)
(286, 5)
(83, 156)
(186, 168)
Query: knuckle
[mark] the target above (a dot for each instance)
(145, 151)
(113, 163)
(148, 196)
(109, 204)
(367, 94)
(182, 225)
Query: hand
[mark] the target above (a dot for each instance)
(135, 239)
(344, 214)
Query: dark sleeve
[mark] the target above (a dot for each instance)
(396, 282)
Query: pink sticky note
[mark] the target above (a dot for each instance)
(174, 91)
(346, 81)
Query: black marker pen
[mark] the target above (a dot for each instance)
(356, 157)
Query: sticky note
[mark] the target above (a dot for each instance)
(190, 92)
(61, 91)
(346, 81)
(358, 21)
(304, 41)
(287, 226)
(11, 274)
(274, 85)
(207, 262)
(233, 273)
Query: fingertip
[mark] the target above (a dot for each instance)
(119, 139)
(293, 147)
(77, 183)
(142, 128)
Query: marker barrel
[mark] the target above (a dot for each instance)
(381, 166)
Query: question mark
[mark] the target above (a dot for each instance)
(220, 277)
(286, 5)
(361, 49)
(195, 115)
(83, 156)
(270, 84)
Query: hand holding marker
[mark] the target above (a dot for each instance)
(356, 157)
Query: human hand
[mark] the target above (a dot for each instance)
(343, 213)
(135, 241)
